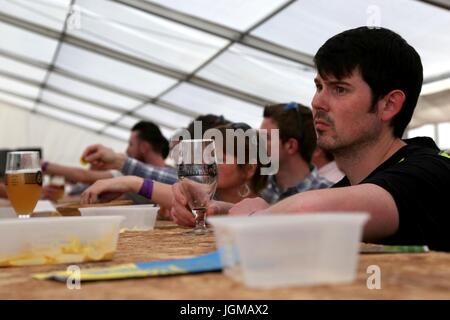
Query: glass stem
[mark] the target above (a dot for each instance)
(200, 223)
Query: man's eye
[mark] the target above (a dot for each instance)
(340, 90)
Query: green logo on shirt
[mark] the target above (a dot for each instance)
(444, 154)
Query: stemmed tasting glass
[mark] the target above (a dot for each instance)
(197, 173)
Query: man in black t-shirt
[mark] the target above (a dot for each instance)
(367, 87)
(417, 177)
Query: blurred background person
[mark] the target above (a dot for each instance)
(146, 144)
(106, 158)
(296, 146)
(235, 181)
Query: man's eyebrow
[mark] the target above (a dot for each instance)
(338, 82)
(332, 82)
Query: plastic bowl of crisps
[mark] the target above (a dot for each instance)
(51, 240)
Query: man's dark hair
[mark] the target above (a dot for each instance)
(150, 132)
(294, 121)
(209, 121)
(386, 62)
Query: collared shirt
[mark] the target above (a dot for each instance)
(313, 181)
(133, 167)
(331, 172)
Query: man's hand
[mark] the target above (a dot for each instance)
(103, 158)
(248, 206)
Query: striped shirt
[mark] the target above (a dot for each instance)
(313, 181)
(133, 167)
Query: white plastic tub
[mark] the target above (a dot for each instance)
(137, 217)
(287, 250)
(57, 240)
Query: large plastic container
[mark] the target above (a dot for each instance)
(137, 217)
(286, 250)
(57, 240)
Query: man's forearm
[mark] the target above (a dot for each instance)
(77, 174)
(119, 161)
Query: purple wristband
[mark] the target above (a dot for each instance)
(147, 189)
(44, 166)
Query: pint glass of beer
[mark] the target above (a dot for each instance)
(23, 181)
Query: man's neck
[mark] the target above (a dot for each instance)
(292, 171)
(359, 162)
(155, 160)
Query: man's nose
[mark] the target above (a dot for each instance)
(320, 101)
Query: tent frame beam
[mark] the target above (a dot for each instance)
(222, 31)
(443, 4)
(169, 72)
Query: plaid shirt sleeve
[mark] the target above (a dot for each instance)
(133, 167)
(269, 193)
(313, 181)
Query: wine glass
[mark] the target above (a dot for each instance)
(23, 181)
(197, 173)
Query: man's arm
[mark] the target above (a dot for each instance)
(105, 158)
(77, 174)
(384, 217)
(133, 167)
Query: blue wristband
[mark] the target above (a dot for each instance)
(147, 189)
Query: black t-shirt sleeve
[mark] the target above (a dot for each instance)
(420, 188)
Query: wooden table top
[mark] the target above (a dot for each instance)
(403, 276)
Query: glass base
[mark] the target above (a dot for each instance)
(198, 231)
(200, 223)
(23, 216)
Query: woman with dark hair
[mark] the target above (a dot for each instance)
(237, 178)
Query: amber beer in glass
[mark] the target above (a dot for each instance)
(23, 181)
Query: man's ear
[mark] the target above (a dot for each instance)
(144, 146)
(291, 146)
(391, 104)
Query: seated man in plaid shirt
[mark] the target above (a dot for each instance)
(106, 159)
(297, 142)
